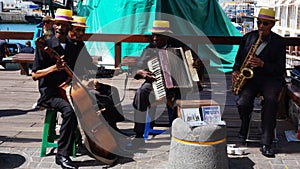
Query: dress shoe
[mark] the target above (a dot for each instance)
(64, 162)
(267, 151)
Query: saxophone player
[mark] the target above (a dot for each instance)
(268, 67)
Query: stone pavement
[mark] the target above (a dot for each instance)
(21, 130)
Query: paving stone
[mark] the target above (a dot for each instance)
(35, 165)
(276, 161)
(290, 162)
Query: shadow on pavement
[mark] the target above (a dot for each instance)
(18, 140)
(241, 162)
(14, 112)
(11, 160)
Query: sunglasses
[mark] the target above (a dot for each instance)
(263, 22)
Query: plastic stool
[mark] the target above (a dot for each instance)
(49, 135)
(148, 130)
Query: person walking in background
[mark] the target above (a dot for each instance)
(48, 30)
(268, 65)
(28, 48)
(45, 28)
(4, 52)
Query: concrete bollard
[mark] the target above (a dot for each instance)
(203, 147)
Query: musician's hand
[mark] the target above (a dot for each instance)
(235, 75)
(150, 76)
(96, 84)
(146, 75)
(60, 64)
(256, 62)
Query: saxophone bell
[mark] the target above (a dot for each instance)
(247, 73)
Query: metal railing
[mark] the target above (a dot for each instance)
(118, 39)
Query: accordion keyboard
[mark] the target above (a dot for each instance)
(158, 85)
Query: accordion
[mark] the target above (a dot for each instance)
(172, 69)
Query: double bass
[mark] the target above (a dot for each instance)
(99, 140)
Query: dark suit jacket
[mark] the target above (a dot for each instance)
(273, 55)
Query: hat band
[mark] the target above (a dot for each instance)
(63, 17)
(160, 28)
(80, 23)
(265, 16)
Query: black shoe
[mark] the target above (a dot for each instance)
(267, 151)
(64, 162)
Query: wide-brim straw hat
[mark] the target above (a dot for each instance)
(79, 21)
(63, 15)
(267, 13)
(161, 26)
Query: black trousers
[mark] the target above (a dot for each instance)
(68, 126)
(270, 90)
(113, 93)
(144, 97)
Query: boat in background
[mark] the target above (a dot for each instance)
(34, 14)
(33, 19)
(19, 11)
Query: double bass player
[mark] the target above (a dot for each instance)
(51, 72)
(106, 95)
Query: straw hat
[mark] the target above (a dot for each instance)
(267, 13)
(79, 21)
(63, 15)
(161, 26)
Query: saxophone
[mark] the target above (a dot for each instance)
(246, 71)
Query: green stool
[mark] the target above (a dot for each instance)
(49, 136)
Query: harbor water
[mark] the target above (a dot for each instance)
(18, 28)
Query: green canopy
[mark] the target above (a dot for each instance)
(200, 17)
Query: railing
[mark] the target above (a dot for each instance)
(118, 39)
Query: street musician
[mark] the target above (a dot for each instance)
(50, 74)
(144, 96)
(58, 61)
(268, 66)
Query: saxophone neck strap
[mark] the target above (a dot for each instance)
(261, 47)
